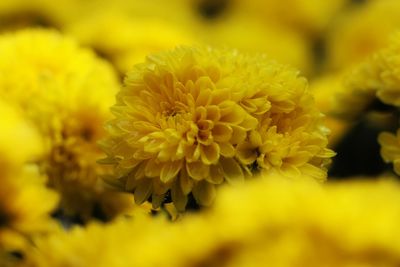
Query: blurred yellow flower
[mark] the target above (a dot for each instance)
(308, 16)
(326, 89)
(192, 118)
(25, 206)
(390, 149)
(14, 130)
(348, 224)
(65, 91)
(360, 32)
(250, 35)
(375, 78)
(25, 202)
(117, 244)
(126, 40)
(276, 222)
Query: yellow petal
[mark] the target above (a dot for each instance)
(221, 132)
(143, 191)
(233, 173)
(227, 150)
(232, 112)
(210, 154)
(313, 171)
(204, 193)
(238, 135)
(216, 175)
(246, 153)
(170, 170)
(152, 168)
(197, 170)
(186, 182)
(178, 197)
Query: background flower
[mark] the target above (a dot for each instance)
(65, 91)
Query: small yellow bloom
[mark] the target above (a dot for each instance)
(126, 40)
(360, 32)
(19, 142)
(65, 91)
(326, 89)
(375, 78)
(251, 35)
(193, 118)
(390, 149)
(308, 16)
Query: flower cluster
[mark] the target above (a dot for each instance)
(199, 133)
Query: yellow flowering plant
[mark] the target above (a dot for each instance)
(65, 93)
(192, 118)
(348, 224)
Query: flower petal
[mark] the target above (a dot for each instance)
(233, 173)
(197, 170)
(143, 191)
(210, 154)
(170, 170)
(204, 193)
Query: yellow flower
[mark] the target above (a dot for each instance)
(276, 222)
(25, 202)
(126, 40)
(14, 130)
(349, 224)
(375, 78)
(120, 243)
(309, 16)
(25, 206)
(192, 118)
(361, 32)
(65, 91)
(250, 35)
(390, 149)
(326, 89)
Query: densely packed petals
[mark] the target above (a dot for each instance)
(192, 118)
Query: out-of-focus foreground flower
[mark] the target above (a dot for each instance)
(192, 118)
(279, 222)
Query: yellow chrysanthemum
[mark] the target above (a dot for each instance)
(361, 32)
(66, 92)
(14, 130)
(375, 78)
(25, 203)
(125, 40)
(390, 149)
(136, 37)
(192, 118)
(310, 16)
(250, 35)
(25, 206)
(348, 224)
(104, 245)
(325, 90)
